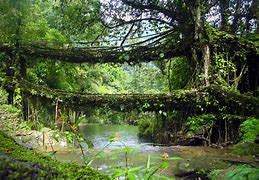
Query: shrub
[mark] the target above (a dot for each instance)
(249, 129)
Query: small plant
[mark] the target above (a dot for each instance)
(142, 172)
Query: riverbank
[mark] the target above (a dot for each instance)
(20, 162)
(30, 134)
(18, 156)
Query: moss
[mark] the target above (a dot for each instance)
(19, 162)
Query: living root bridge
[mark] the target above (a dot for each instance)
(212, 99)
(131, 54)
(97, 55)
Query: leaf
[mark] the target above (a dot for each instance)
(164, 165)
(131, 176)
(118, 172)
(148, 161)
(90, 162)
(135, 169)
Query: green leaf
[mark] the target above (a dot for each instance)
(164, 165)
(148, 162)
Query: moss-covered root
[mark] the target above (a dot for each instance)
(18, 162)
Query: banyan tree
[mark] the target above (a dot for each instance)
(218, 37)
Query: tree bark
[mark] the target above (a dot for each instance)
(200, 53)
(206, 60)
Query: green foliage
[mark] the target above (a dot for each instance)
(51, 23)
(145, 78)
(26, 125)
(3, 96)
(223, 65)
(243, 171)
(199, 123)
(239, 172)
(142, 172)
(149, 171)
(79, 20)
(10, 109)
(69, 136)
(249, 129)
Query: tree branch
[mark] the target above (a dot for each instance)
(137, 20)
(138, 5)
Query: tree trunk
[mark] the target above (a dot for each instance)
(224, 14)
(200, 54)
(206, 61)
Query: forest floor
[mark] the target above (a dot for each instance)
(18, 160)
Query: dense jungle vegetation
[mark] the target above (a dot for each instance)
(129, 89)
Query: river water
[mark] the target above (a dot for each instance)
(127, 150)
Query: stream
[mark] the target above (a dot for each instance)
(106, 155)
